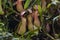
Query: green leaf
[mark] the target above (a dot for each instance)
(40, 10)
(48, 5)
(1, 11)
(27, 4)
(38, 2)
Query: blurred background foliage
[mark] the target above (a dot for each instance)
(30, 19)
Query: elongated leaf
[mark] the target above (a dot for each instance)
(38, 2)
(48, 5)
(40, 10)
(1, 11)
(40, 13)
(27, 4)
